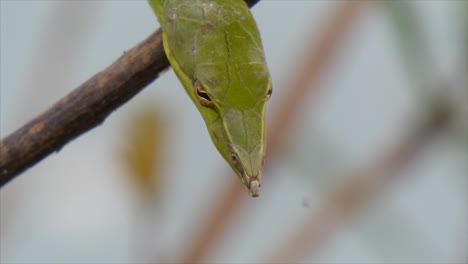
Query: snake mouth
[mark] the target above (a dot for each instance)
(251, 182)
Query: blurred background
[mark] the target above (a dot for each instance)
(367, 153)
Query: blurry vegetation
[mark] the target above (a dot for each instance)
(415, 56)
(145, 156)
(316, 158)
(145, 151)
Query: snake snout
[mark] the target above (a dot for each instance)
(254, 188)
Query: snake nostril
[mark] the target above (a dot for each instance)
(234, 157)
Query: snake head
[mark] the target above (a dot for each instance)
(216, 51)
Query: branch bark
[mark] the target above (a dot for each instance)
(85, 107)
(82, 109)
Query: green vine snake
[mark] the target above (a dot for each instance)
(215, 49)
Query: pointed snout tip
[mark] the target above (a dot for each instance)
(254, 188)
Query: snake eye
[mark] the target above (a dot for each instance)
(202, 95)
(269, 92)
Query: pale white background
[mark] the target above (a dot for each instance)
(76, 206)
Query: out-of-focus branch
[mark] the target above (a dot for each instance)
(305, 81)
(84, 108)
(358, 190)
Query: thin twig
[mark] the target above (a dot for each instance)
(84, 108)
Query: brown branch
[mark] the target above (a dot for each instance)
(305, 83)
(84, 108)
